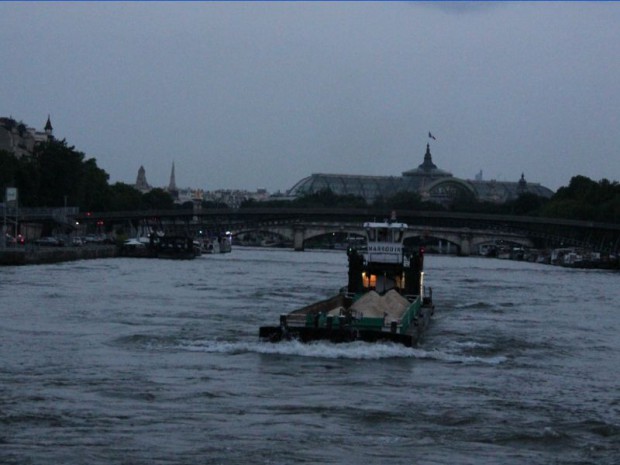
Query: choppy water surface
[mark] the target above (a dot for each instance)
(130, 361)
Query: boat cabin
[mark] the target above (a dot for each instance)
(384, 242)
(385, 263)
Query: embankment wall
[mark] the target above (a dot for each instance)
(20, 256)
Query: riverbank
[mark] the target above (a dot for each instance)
(40, 255)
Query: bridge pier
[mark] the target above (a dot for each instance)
(298, 238)
(465, 245)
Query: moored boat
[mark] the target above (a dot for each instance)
(175, 247)
(160, 246)
(219, 244)
(384, 299)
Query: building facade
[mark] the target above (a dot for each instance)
(19, 139)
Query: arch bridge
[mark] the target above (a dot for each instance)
(301, 224)
(466, 240)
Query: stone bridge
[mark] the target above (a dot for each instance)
(466, 240)
(297, 225)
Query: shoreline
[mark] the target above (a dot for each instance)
(43, 255)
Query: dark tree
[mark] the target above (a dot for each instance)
(60, 169)
(123, 197)
(94, 191)
(327, 198)
(157, 199)
(9, 167)
(585, 199)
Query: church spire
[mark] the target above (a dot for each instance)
(48, 126)
(172, 186)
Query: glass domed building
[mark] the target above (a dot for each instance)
(430, 182)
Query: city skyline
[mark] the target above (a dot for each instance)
(260, 95)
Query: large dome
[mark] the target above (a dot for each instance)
(427, 168)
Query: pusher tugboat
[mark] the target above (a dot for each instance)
(384, 300)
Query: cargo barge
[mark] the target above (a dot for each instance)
(384, 300)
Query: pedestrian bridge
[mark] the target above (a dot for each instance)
(466, 240)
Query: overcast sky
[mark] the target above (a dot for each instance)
(260, 95)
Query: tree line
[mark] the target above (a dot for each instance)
(57, 174)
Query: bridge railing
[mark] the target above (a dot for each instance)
(39, 213)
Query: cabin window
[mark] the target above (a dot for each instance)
(369, 281)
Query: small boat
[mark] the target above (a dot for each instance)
(218, 244)
(384, 300)
(160, 246)
(135, 248)
(175, 247)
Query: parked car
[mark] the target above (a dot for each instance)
(50, 242)
(94, 238)
(77, 241)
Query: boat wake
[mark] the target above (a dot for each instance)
(326, 350)
(464, 352)
(354, 350)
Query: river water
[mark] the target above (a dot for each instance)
(135, 361)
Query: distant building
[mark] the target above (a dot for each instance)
(189, 194)
(183, 195)
(19, 139)
(180, 195)
(141, 184)
(430, 182)
(233, 198)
